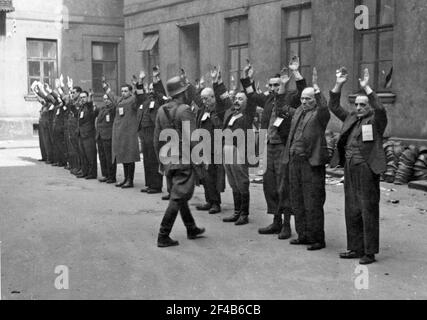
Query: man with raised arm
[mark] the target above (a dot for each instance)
(279, 107)
(307, 155)
(360, 151)
(211, 117)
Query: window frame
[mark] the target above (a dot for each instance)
(300, 38)
(149, 59)
(104, 62)
(239, 46)
(41, 60)
(376, 29)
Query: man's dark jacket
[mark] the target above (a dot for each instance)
(373, 151)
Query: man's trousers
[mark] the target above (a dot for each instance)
(108, 168)
(60, 146)
(153, 179)
(308, 196)
(273, 177)
(88, 156)
(43, 147)
(362, 213)
(210, 183)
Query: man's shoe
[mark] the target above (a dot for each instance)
(49, 162)
(215, 209)
(103, 180)
(55, 164)
(41, 160)
(121, 184)
(90, 178)
(166, 198)
(111, 181)
(242, 221)
(316, 246)
(286, 232)
(299, 242)
(367, 259)
(351, 255)
(144, 190)
(204, 207)
(128, 185)
(271, 229)
(166, 241)
(153, 191)
(195, 233)
(232, 218)
(81, 176)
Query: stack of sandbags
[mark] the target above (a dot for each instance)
(407, 161)
(420, 167)
(392, 161)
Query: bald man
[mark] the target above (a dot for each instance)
(211, 117)
(306, 153)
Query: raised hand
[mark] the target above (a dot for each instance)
(134, 80)
(294, 64)
(315, 80)
(61, 81)
(342, 75)
(142, 75)
(156, 71)
(248, 71)
(365, 81)
(284, 76)
(35, 86)
(70, 83)
(57, 84)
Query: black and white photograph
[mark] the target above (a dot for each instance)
(219, 153)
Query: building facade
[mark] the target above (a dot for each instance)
(198, 34)
(41, 39)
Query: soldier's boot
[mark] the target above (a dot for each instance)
(244, 211)
(195, 232)
(286, 232)
(273, 228)
(165, 241)
(237, 206)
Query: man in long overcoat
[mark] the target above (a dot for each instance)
(125, 146)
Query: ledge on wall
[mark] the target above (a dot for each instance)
(386, 98)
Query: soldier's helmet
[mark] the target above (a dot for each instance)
(176, 85)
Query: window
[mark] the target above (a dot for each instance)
(42, 62)
(374, 47)
(150, 52)
(238, 49)
(297, 37)
(104, 63)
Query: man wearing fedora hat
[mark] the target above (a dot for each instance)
(180, 175)
(360, 151)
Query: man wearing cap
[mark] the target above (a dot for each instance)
(147, 113)
(361, 152)
(177, 115)
(306, 153)
(279, 107)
